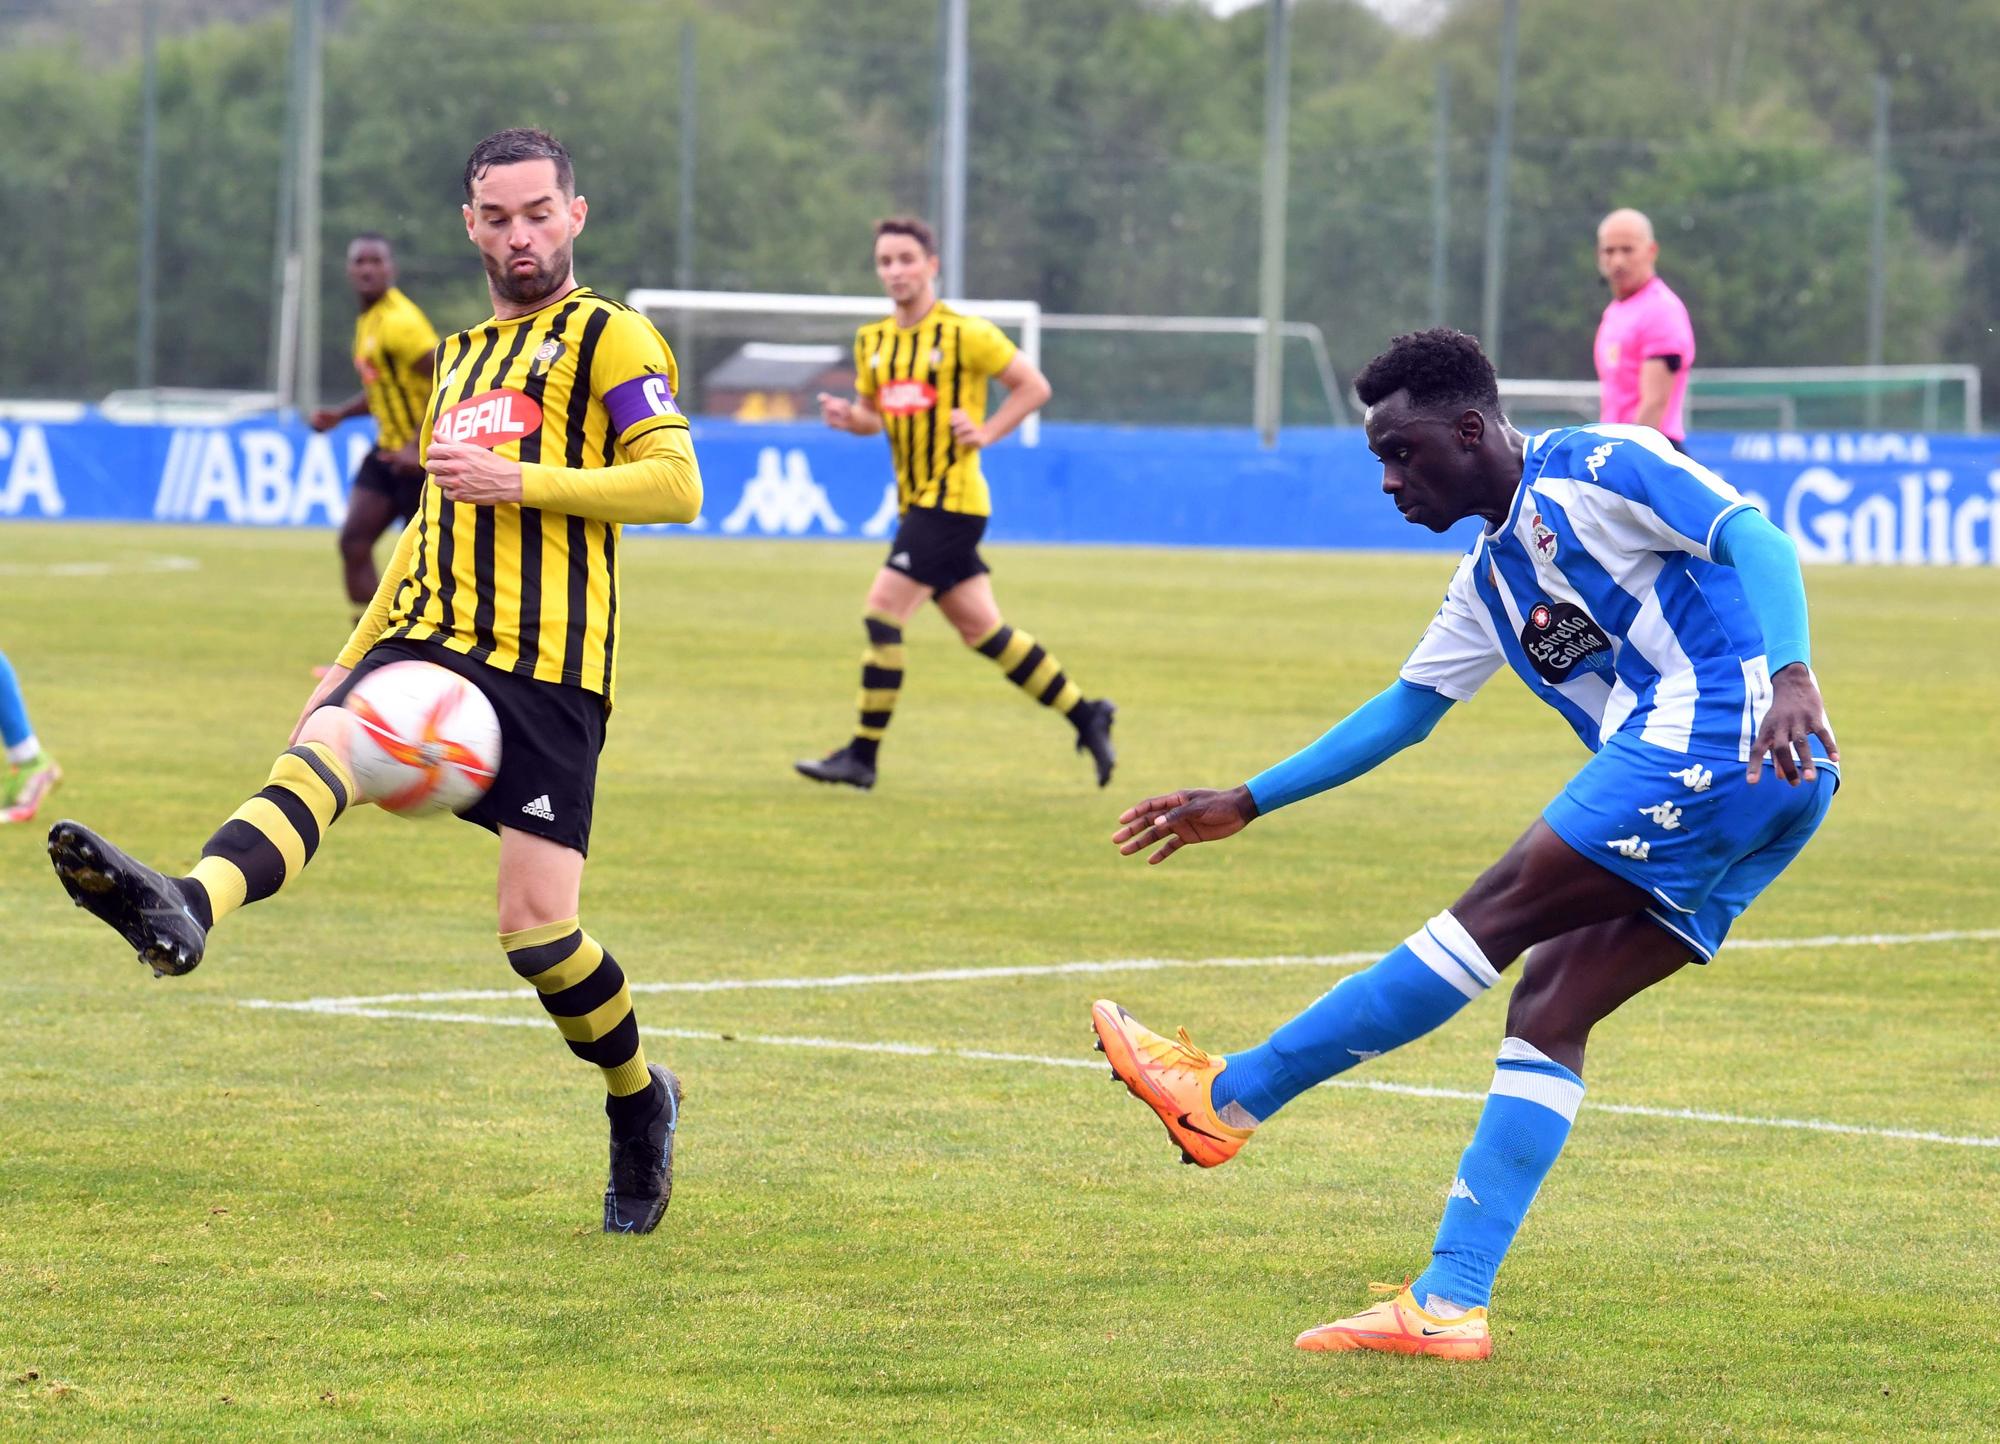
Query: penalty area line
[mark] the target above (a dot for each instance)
(1043, 970)
(1042, 1060)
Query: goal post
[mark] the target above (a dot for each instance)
(774, 318)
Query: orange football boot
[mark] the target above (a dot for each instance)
(1396, 1325)
(1170, 1076)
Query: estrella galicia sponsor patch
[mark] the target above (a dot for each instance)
(1561, 640)
(546, 355)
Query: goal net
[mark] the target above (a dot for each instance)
(1783, 398)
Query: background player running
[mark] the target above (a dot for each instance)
(921, 376)
(509, 577)
(1665, 620)
(395, 352)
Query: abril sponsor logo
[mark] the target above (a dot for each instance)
(492, 418)
(906, 398)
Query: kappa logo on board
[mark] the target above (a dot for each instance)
(492, 418)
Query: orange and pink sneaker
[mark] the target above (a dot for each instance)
(1173, 1078)
(1397, 1325)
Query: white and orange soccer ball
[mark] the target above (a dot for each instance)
(425, 740)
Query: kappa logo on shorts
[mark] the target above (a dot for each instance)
(1697, 777)
(1633, 847)
(540, 808)
(492, 418)
(1666, 814)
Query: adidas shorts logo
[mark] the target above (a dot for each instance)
(540, 808)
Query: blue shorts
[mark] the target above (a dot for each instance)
(1689, 830)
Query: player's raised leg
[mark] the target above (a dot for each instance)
(585, 994)
(263, 845)
(892, 597)
(974, 611)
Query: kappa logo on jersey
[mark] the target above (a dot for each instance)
(1633, 847)
(1666, 814)
(1545, 540)
(492, 418)
(1696, 777)
(905, 398)
(1597, 458)
(1561, 640)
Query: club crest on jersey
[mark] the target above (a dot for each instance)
(1561, 640)
(906, 398)
(1545, 540)
(492, 418)
(546, 355)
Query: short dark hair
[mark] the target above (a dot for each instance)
(511, 147)
(373, 238)
(1442, 369)
(910, 226)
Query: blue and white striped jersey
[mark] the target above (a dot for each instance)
(1599, 591)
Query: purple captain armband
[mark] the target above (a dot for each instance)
(640, 399)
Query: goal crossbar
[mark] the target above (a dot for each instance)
(1027, 315)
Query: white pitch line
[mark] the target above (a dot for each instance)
(1042, 970)
(983, 1055)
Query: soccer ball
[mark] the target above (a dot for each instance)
(425, 740)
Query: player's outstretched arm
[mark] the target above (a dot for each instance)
(1401, 715)
(1775, 591)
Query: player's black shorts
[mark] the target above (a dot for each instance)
(550, 735)
(405, 489)
(938, 548)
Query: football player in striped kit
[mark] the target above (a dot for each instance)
(1664, 619)
(551, 425)
(920, 377)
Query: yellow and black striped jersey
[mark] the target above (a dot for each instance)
(584, 382)
(390, 338)
(915, 376)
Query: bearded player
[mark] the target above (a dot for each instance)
(1664, 620)
(551, 424)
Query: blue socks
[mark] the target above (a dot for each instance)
(1437, 971)
(14, 729)
(1526, 1120)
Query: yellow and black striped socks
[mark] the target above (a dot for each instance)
(881, 683)
(1029, 666)
(583, 990)
(271, 837)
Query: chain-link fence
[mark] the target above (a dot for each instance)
(1113, 167)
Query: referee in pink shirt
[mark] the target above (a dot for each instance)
(1645, 343)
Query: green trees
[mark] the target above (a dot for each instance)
(1114, 165)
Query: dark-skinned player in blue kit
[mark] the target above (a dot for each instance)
(1664, 619)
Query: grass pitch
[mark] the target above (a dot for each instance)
(227, 1222)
